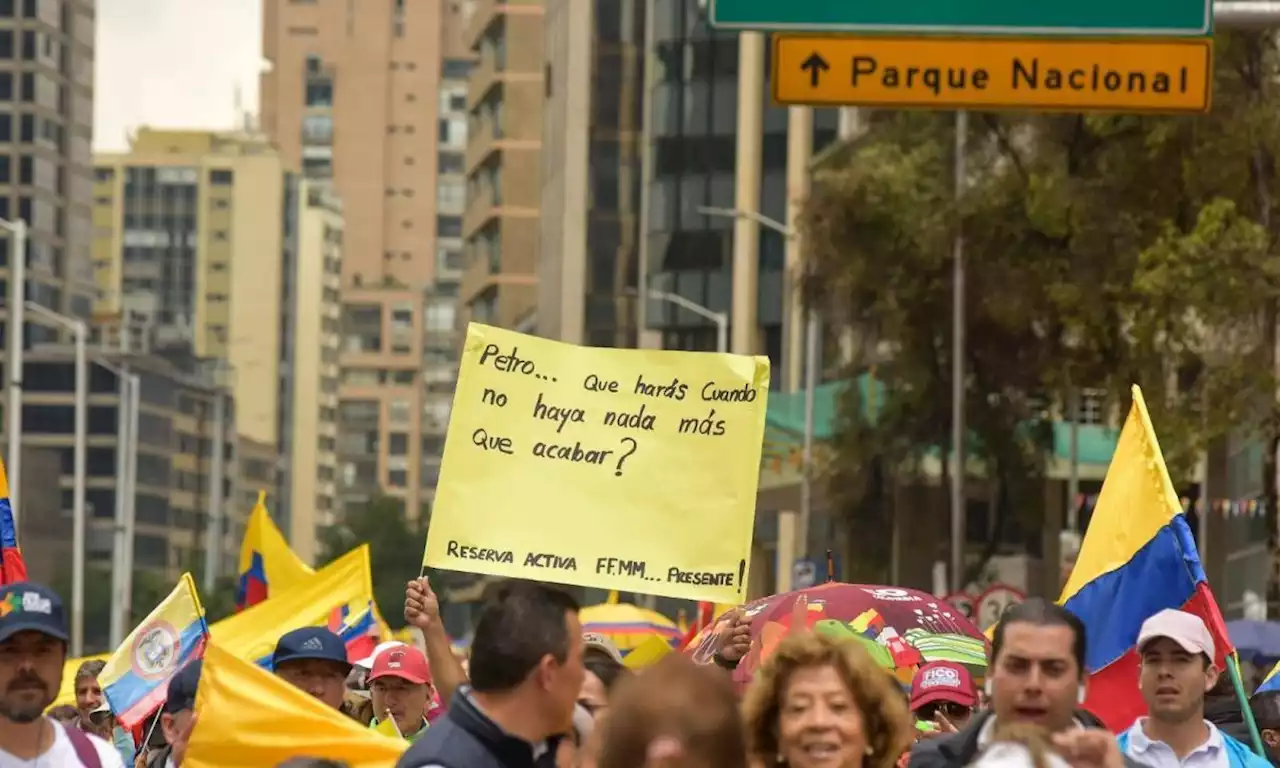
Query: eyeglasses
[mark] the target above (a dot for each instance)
(948, 709)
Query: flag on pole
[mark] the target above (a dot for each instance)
(267, 564)
(12, 567)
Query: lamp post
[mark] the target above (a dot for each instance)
(79, 330)
(122, 533)
(721, 319)
(813, 331)
(17, 301)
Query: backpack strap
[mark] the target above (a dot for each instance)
(86, 753)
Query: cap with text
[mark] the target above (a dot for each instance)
(1185, 629)
(29, 607)
(594, 641)
(943, 681)
(406, 663)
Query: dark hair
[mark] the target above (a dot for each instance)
(1042, 613)
(523, 622)
(604, 667)
(90, 669)
(1266, 708)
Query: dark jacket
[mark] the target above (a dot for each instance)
(466, 738)
(1223, 710)
(959, 749)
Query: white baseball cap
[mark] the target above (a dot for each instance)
(367, 662)
(1185, 629)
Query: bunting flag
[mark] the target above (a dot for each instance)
(136, 678)
(267, 563)
(1138, 557)
(247, 716)
(1248, 507)
(12, 567)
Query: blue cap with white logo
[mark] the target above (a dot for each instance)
(310, 643)
(29, 607)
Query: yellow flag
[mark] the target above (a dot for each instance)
(252, 633)
(247, 716)
(268, 566)
(647, 653)
(387, 727)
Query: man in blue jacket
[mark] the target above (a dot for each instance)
(1177, 670)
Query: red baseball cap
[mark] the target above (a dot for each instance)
(404, 662)
(943, 681)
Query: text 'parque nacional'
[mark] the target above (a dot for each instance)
(1071, 75)
(621, 469)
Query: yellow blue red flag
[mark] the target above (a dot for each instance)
(1138, 558)
(12, 567)
(268, 565)
(136, 678)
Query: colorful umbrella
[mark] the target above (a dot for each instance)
(900, 628)
(628, 626)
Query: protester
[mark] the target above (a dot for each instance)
(401, 686)
(604, 667)
(177, 716)
(1177, 670)
(33, 650)
(1266, 715)
(676, 713)
(943, 694)
(89, 699)
(526, 673)
(733, 639)
(314, 660)
(1036, 675)
(821, 701)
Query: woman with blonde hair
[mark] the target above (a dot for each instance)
(820, 702)
(675, 714)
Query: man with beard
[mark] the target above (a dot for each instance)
(33, 649)
(1177, 670)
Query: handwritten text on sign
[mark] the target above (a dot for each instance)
(614, 468)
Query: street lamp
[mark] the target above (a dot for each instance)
(813, 330)
(721, 319)
(79, 331)
(17, 299)
(126, 468)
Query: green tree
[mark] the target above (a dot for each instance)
(395, 548)
(1101, 251)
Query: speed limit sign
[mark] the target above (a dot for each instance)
(964, 602)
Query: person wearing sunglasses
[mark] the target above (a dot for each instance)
(943, 697)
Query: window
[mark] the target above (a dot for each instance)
(398, 412)
(5, 169)
(397, 478)
(317, 128)
(440, 316)
(446, 162)
(28, 86)
(319, 92)
(455, 69)
(6, 44)
(26, 169)
(6, 126)
(6, 9)
(451, 194)
(28, 45)
(449, 226)
(221, 178)
(6, 86)
(314, 64)
(398, 444)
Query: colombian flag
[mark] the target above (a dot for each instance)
(12, 567)
(358, 630)
(136, 678)
(267, 564)
(1137, 558)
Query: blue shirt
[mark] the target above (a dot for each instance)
(1218, 751)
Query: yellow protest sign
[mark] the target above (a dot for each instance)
(613, 468)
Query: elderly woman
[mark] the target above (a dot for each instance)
(820, 702)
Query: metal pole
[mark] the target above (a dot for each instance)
(119, 619)
(812, 334)
(17, 320)
(746, 232)
(1073, 476)
(958, 370)
(131, 500)
(213, 528)
(1246, 14)
(722, 332)
(799, 153)
(77, 494)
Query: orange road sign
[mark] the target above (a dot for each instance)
(1050, 75)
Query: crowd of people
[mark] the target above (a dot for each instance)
(536, 691)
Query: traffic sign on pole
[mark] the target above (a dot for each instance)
(1169, 76)
(1163, 18)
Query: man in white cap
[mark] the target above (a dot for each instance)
(1176, 670)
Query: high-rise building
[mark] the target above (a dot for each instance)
(353, 98)
(199, 244)
(504, 168)
(46, 125)
(591, 139)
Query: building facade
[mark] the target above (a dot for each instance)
(588, 258)
(353, 100)
(501, 226)
(200, 245)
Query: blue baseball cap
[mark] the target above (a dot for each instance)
(182, 688)
(29, 607)
(310, 643)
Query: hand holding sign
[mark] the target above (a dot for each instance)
(613, 468)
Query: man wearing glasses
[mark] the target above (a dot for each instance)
(943, 697)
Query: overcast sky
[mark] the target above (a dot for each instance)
(174, 64)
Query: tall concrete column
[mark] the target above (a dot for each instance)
(746, 232)
(799, 154)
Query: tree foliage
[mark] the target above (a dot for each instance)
(1101, 251)
(395, 548)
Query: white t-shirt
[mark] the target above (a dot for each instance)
(63, 754)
